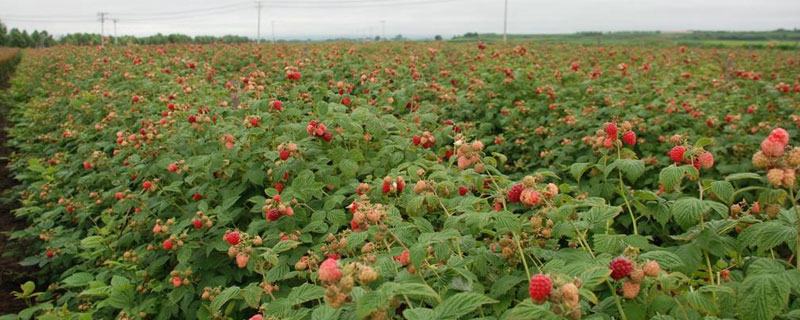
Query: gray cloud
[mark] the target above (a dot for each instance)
(351, 18)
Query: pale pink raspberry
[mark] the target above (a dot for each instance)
(329, 270)
(772, 147)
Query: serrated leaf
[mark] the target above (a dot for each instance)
(665, 259)
(305, 292)
(460, 304)
(671, 176)
(419, 313)
(723, 190)
(761, 297)
(688, 211)
(223, 297)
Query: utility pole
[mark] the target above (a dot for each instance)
(258, 34)
(273, 31)
(383, 30)
(102, 16)
(115, 30)
(505, 22)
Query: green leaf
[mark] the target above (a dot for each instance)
(79, 279)
(688, 211)
(665, 259)
(631, 168)
(348, 168)
(723, 190)
(305, 292)
(578, 169)
(671, 176)
(761, 297)
(527, 310)
(460, 304)
(223, 297)
(419, 313)
(415, 290)
(743, 175)
(505, 285)
(704, 141)
(325, 312)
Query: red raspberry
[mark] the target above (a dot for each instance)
(416, 140)
(284, 154)
(462, 190)
(273, 214)
(197, 197)
(197, 223)
(540, 288)
(514, 193)
(50, 254)
(192, 119)
(172, 167)
(277, 105)
(611, 130)
(620, 267)
(147, 185)
(167, 244)
(629, 137)
(386, 187)
(327, 136)
(676, 154)
(231, 238)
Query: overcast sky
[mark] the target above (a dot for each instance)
(299, 19)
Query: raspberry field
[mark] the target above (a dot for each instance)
(421, 180)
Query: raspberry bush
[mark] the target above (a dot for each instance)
(407, 180)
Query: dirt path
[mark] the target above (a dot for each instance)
(12, 275)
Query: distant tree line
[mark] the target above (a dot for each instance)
(38, 39)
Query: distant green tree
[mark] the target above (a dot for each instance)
(3, 34)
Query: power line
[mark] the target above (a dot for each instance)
(102, 16)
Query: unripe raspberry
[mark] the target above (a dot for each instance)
(756, 208)
(477, 145)
(367, 275)
(775, 177)
(630, 289)
(760, 160)
(515, 192)
(539, 288)
(530, 197)
(794, 157)
(620, 267)
(232, 251)
(241, 260)
(788, 178)
(706, 160)
(637, 275)
(652, 268)
(570, 295)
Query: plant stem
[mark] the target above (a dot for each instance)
(794, 204)
(627, 204)
(616, 301)
(522, 256)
